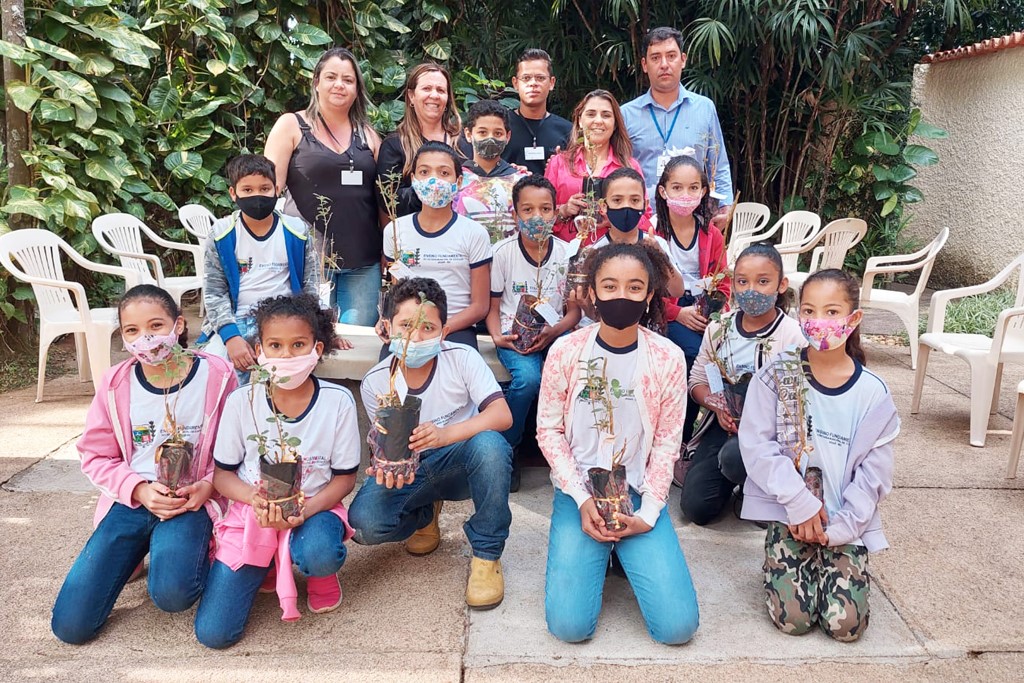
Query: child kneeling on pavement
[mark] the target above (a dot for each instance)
(462, 453)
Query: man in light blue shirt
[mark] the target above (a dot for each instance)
(669, 120)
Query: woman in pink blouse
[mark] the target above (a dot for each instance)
(598, 144)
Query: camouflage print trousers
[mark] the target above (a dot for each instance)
(806, 583)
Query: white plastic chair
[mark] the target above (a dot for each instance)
(747, 219)
(197, 219)
(34, 256)
(1017, 437)
(120, 234)
(797, 228)
(828, 248)
(906, 306)
(985, 355)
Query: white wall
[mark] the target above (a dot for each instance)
(977, 188)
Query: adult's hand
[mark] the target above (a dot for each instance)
(242, 355)
(690, 318)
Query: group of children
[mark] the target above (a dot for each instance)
(812, 452)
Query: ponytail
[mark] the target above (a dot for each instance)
(854, 348)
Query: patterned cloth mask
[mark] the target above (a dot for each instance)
(824, 334)
(755, 303)
(434, 192)
(489, 148)
(152, 349)
(536, 228)
(683, 206)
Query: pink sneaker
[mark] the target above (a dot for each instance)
(269, 584)
(324, 593)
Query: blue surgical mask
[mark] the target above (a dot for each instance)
(419, 353)
(755, 303)
(536, 228)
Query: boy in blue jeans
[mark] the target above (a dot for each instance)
(462, 455)
(529, 259)
(253, 254)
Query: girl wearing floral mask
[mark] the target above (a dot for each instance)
(817, 442)
(256, 543)
(161, 392)
(437, 243)
(684, 208)
(734, 347)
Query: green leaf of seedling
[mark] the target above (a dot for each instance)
(293, 441)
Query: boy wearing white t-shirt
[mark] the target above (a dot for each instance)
(254, 254)
(532, 258)
(462, 455)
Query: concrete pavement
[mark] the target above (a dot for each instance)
(945, 598)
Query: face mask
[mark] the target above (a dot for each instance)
(152, 349)
(536, 228)
(488, 148)
(624, 219)
(621, 313)
(256, 207)
(289, 373)
(755, 303)
(683, 206)
(824, 334)
(434, 192)
(420, 352)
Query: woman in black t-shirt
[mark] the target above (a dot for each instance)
(325, 159)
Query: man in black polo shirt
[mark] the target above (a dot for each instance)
(536, 133)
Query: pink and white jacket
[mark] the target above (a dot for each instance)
(105, 446)
(661, 399)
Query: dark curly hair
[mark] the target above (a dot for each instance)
(411, 289)
(704, 211)
(155, 295)
(305, 307)
(848, 283)
(654, 261)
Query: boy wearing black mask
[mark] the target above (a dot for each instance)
(253, 254)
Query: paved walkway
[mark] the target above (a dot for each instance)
(946, 600)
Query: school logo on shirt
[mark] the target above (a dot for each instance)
(619, 392)
(143, 434)
(520, 287)
(410, 258)
(244, 265)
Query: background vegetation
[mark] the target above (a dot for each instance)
(136, 106)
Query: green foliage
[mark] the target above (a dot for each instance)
(975, 314)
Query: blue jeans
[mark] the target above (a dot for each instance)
(654, 565)
(215, 345)
(178, 564)
(355, 291)
(317, 549)
(522, 391)
(479, 468)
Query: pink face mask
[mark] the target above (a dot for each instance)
(289, 373)
(152, 349)
(824, 334)
(683, 206)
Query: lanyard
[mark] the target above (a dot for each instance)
(348, 151)
(665, 138)
(533, 132)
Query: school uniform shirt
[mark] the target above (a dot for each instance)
(743, 351)
(262, 266)
(448, 255)
(187, 400)
(459, 386)
(593, 447)
(686, 259)
(514, 273)
(834, 415)
(327, 430)
(487, 197)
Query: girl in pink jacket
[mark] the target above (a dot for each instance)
(162, 395)
(614, 394)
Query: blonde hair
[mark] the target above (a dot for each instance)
(358, 115)
(409, 133)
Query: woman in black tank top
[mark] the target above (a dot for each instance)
(325, 159)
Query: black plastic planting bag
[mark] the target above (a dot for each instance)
(389, 438)
(527, 324)
(611, 494)
(283, 482)
(735, 396)
(175, 466)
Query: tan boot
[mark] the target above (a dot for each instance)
(486, 587)
(426, 540)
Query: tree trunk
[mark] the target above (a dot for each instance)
(16, 131)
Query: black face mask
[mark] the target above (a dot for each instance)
(256, 207)
(621, 313)
(624, 219)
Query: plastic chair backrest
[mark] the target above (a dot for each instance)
(37, 253)
(122, 232)
(798, 227)
(197, 219)
(747, 219)
(836, 240)
(929, 261)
